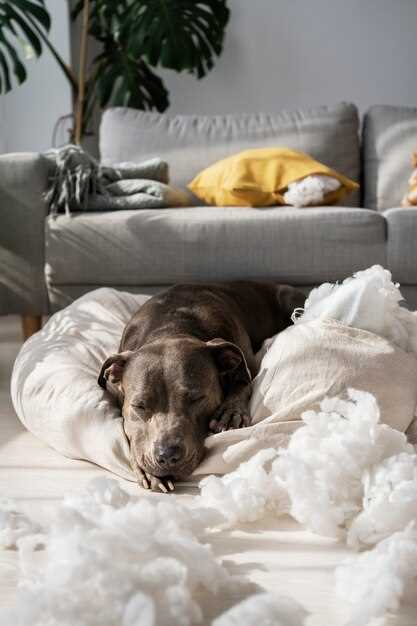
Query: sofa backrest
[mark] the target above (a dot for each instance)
(389, 139)
(192, 142)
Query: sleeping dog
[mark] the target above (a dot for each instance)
(184, 369)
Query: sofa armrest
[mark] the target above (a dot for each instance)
(402, 244)
(23, 181)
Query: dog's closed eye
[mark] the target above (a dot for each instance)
(196, 399)
(139, 409)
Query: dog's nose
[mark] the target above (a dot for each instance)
(168, 455)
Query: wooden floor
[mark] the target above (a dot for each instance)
(276, 555)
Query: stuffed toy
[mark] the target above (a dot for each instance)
(410, 198)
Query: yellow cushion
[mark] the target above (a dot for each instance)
(260, 177)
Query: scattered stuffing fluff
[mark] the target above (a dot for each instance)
(14, 525)
(320, 478)
(264, 610)
(374, 582)
(310, 191)
(117, 561)
(347, 476)
(249, 492)
(368, 300)
(325, 462)
(389, 502)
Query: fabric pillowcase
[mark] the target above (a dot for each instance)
(261, 177)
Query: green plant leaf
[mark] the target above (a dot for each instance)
(123, 81)
(20, 20)
(180, 34)
(138, 35)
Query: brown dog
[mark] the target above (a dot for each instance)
(185, 367)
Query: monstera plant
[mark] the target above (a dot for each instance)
(133, 39)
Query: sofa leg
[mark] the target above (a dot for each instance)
(30, 325)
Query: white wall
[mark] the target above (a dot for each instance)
(278, 54)
(289, 53)
(29, 112)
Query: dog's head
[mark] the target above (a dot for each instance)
(168, 390)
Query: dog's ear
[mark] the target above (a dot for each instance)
(230, 360)
(112, 371)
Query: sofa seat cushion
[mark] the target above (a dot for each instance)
(190, 143)
(159, 247)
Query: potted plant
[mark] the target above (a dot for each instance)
(134, 38)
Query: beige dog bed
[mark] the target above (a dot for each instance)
(56, 395)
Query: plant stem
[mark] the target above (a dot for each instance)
(82, 73)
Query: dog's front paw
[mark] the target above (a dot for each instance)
(147, 481)
(154, 483)
(228, 417)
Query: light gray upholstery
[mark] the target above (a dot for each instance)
(389, 139)
(190, 142)
(23, 180)
(206, 243)
(402, 244)
(150, 249)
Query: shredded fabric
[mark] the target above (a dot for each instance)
(368, 300)
(311, 190)
(264, 610)
(374, 582)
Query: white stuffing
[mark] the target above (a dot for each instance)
(324, 464)
(389, 502)
(117, 561)
(264, 610)
(368, 300)
(311, 190)
(249, 492)
(343, 474)
(374, 581)
(320, 477)
(14, 525)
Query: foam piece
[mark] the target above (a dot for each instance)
(323, 466)
(14, 525)
(249, 492)
(310, 191)
(368, 300)
(264, 610)
(374, 582)
(389, 502)
(143, 559)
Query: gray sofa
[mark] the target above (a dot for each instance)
(46, 262)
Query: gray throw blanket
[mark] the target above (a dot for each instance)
(79, 183)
